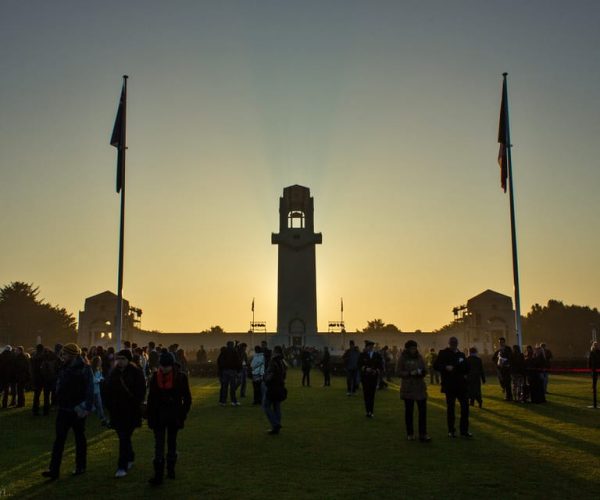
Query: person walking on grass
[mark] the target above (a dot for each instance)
(125, 392)
(413, 390)
(75, 399)
(370, 367)
(274, 391)
(475, 377)
(453, 366)
(169, 402)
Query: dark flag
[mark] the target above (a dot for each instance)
(252, 305)
(502, 137)
(342, 305)
(118, 137)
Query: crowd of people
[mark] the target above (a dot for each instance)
(122, 388)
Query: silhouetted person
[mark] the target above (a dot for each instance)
(517, 373)
(201, 356)
(258, 372)
(169, 401)
(75, 399)
(370, 366)
(40, 383)
(534, 364)
(22, 374)
(475, 377)
(434, 375)
(125, 392)
(230, 365)
(7, 376)
(502, 359)
(306, 360)
(452, 364)
(274, 391)
(594, 365)
(350, 359)
(412, 371)
(267, 352)
(547, 365)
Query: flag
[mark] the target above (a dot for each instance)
(118, 137)
(253, 305)
(503, 137)
(342, 304)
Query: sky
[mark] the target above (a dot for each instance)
(386, 110)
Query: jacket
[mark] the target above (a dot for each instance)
(258, 366)
(169, 406)
(229, 359)
(370, 366)
(454, 382)
(75, 386)
(124, 394)
(412, 385)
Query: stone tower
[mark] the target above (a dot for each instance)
(297, 280)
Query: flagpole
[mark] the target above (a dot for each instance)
(513, 229)
(119, 329)
(342, 319)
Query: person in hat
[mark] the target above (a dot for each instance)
(370, 366)
(125, 393)
(169, 401)
(75, 399)
(412, 370)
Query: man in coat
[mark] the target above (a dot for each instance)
(370, 366)
(125, 393)
(75, 399)
(453, 366)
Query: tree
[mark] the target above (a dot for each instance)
(24, 317)
(377, 325)
(567, 329)
(214, 329)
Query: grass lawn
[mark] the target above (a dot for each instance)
(328, 449)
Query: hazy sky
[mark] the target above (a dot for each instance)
(386, 110)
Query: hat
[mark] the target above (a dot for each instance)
(166, 359)
(72, 349)
(8, 348)
(125, 353)
(368, 343)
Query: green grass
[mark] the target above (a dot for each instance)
(328, 449)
